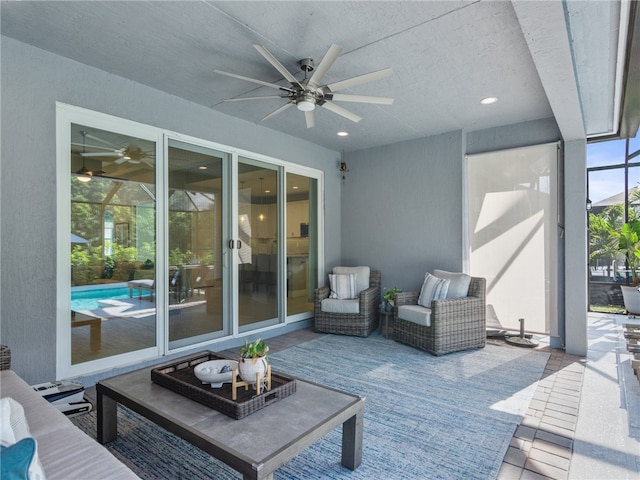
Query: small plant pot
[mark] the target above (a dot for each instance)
(248, 369)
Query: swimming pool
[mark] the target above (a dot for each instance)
(87, 299)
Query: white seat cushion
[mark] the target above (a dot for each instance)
(459, 286)
(362, 279)
(416, 314)
(330, 305)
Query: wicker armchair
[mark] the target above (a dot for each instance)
(360, 324)
(456, 323)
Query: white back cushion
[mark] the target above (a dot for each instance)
(459, 286)
(362, 279)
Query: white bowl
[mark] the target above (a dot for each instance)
(209, 372)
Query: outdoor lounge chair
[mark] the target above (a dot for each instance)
(147, 284)
(357, 315)
(451, 324)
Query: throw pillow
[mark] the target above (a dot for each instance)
(459, 286)
(433, 288)
(15, 459)
(343, 286)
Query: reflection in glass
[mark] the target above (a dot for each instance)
(301, 243)
(195, 244)
(113, 307)
(258, 231)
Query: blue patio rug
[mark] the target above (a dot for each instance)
(426, 417)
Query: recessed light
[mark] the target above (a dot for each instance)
(343, 134)
(202, 167)
(488, 100)
(295, 187)
(267, 191)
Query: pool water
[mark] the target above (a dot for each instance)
(88, 299)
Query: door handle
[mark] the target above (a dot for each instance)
(231, 244)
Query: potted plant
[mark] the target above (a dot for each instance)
(253, 360)
(389, 297)
(629, 245)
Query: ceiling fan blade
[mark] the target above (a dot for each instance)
(254, 98)
(341, 97)
(115, 153)
(325, 64)
(276, 112)
(308, 116)
(101, 147)
(98, 139)
(277, 65)
(359, 80)
(341, 111)
(120, 161)
(259, 82)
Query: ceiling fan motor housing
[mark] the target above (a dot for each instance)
(306, 64)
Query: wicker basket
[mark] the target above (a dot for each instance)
(5, 357)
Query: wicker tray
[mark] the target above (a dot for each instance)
(179, 377)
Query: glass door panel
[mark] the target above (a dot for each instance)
(113, 237)
(195, 273)
(258, 263)
(301, 243)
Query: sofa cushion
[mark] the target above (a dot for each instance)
(433, 288)
(459, 286)
(416, 314)
(343, 286)
(330, 305)
(362, 279)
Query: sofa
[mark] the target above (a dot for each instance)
(64, 451)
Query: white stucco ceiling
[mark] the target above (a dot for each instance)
(540, 59)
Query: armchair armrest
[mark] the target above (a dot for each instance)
(404, 298)
(369, 300)
(454, 312)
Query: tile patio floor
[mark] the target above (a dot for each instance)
(583, 422)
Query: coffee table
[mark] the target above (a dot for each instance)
(255, 445)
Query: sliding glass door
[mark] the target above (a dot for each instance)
(259, 252)
(302, 242)
(175, 242)
(113, 244)
(196, 205)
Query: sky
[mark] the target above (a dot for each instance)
(608, 183)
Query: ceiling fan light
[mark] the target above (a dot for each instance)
(306, 105)
(84, 178)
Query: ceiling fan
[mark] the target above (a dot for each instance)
(131, 153)
(84, 174)
(307, 93)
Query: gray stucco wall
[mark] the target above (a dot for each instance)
(32, 81)
(402, 208)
